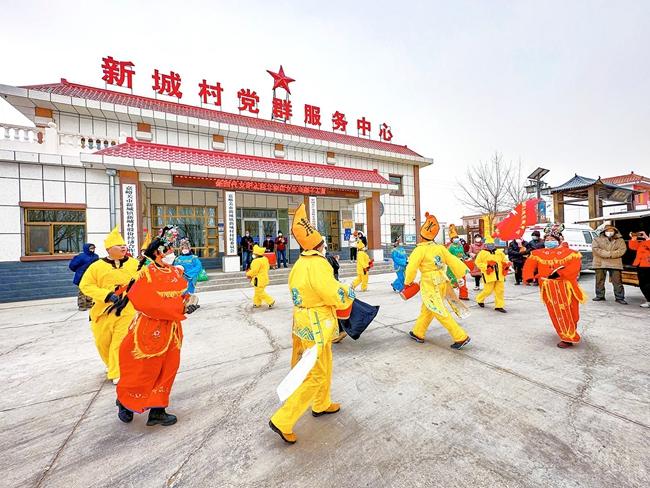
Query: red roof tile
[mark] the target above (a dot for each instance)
(625, 179)
(99, 94)
(175, 154)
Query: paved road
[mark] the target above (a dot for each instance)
(511, 411)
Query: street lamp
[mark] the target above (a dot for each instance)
(536, 185)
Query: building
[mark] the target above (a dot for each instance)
(473, 224)
(638, 183)
(96, 158)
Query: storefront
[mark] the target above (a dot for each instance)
(97, 158)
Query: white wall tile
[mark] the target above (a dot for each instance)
(11, 245)
(96, 176)
(8, 170)
(97, 238)
(75, 192)
(75, 174)
(10, 218)
(34, 171)
(98, 220)
(31, 190)
(9, 191)
(171, 197)
(55, 173)
(185, 197)
(97, 195)
(54, 191)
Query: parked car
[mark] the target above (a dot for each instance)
(577, 236)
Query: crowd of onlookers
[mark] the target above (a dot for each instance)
(608, 249)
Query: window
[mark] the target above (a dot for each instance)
(588, 236)
(198, 224)
(396, 230)
(396, 180)
(50, 231)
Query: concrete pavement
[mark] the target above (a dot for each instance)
(512, 410)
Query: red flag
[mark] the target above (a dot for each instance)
(514, 225)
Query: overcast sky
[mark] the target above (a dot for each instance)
(564, 85)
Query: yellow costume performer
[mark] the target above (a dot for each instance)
(494, 265)
(317, 297)
(102, 281)
(363, 267)
(259, 275)
(433, 260)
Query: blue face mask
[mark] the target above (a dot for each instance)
(455, 240)
(551, 244)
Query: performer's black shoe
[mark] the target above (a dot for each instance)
(415, 338)
(461, 344)
(564, 344)
(482, 305)
(123, 413)
(158, 416)
(598, 299)
(500, 309)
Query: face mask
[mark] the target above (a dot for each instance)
(280, 234)
(535, 238)
(551, 244)
(169, 258)
(609, 234)
(455, 240)
(490, 247)
(185, 251)
(478, 241)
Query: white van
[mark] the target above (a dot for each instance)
(577, 236)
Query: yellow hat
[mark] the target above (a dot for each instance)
(488, 230)
(258, 250)
(147, 241)
(430, 228)
(305, 233)
(452, 231)
(114, 239)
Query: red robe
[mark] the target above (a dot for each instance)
(150, 353)
(562, 295)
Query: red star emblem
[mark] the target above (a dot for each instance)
(280, 80)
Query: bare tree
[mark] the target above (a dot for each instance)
(493, 186)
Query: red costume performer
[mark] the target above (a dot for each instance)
(150, 352)
(557, 268)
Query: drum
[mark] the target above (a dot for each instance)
(410, 291)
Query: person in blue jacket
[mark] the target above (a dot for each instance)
(79, 264)
(191, 264)
(399, 263)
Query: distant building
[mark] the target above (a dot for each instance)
(633, 181)
(473, 224)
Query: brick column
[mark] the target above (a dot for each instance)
(373, 222)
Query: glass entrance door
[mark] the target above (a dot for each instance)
(259, 228)
(328, 225)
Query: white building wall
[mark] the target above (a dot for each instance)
(22, 182)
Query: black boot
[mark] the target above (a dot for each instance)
(123, 413)
(158, 416)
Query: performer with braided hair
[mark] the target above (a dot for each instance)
(557, 267)
(150, 352)
(104, 281)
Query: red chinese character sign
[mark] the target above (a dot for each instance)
(167, 84)
(117, 72)
(363, 127)
(282, 109)
(312, 115)
(248, 101)
(212, 92)
(338, 122)
(385, 134)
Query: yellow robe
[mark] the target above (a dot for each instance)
(259, 275)
(495, 280)
(432, 260)
(363, 261)
(316, 297)
(100, 279)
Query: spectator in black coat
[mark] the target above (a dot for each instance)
(517, 253)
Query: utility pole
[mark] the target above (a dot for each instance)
(536, 185)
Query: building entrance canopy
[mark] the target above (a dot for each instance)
(206, 165)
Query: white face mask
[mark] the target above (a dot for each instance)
(169, 258)
(185, 251)
(609, 234)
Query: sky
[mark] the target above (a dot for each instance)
(562, 85)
